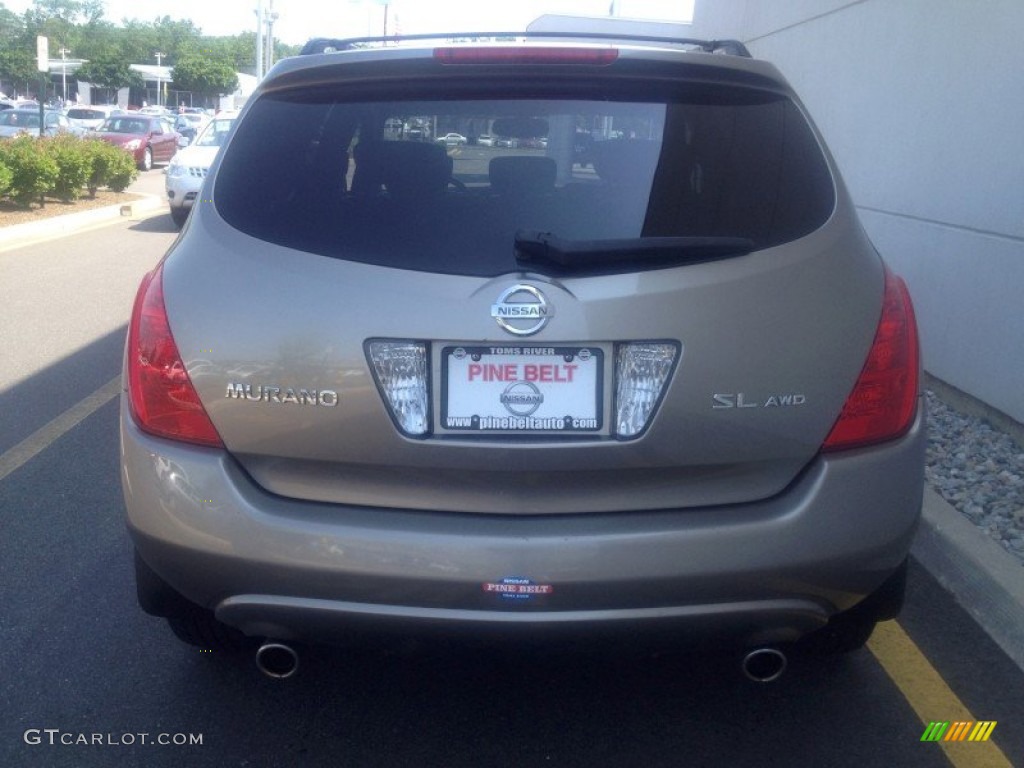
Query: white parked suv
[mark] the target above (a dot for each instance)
(188, 168)
(91, 117)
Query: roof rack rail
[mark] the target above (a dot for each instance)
(331, 45)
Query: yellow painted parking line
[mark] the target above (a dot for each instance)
(45, 436)
(930, 697)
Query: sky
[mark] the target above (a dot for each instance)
(300, 20)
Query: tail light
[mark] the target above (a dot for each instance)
(162, 399)
(641, 372)
(883, 402)
(400, 368)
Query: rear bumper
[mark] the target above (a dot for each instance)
(765, 572)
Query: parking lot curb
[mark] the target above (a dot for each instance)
(986, 580)
(68, 224)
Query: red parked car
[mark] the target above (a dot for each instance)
(149, 139)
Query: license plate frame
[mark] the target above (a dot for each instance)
(528, 389)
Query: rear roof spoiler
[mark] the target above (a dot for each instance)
(331, 45)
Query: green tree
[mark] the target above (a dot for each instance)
(210, 63)
(205, 75)
(70, 12)
(240, 50)
(176, 37)
(62, 20)
(173, 38)
(110, 71)
(137, 41)
(11, 25)
(17, 53)
(18, 65)
(95, 41)
(75, 25)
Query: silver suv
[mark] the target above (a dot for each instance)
(631, 366)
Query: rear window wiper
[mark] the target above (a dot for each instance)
(573, 255)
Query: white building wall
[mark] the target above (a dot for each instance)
(922, 104)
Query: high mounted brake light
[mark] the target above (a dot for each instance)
(162, 399)
(518, 55)
(883, 402)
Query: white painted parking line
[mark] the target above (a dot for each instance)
(45, 436)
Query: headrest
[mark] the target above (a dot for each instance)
(405, 168)
(626, 161)
(522, 175)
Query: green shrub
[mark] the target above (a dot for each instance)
(96, 152)
(73, 165)
(33, 171)
(6, 176)
(62, 166)
(109, 166)
(121, 169)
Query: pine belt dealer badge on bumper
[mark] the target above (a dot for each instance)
(517, 588)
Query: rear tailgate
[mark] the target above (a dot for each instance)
(277, 295)
(769, 348)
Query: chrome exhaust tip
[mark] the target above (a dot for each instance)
(277, 660)
(764, 665)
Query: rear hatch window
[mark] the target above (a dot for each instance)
(86, 114)
(568, 184)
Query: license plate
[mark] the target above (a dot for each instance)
(549, 390)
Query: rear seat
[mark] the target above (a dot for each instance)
(405, 169)
(522, 176)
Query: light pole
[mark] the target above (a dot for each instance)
(64, 71)
(259, 41)
(271, 17)
(159, 80)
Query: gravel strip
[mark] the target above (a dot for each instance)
(979, 470)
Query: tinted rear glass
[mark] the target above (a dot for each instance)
(127, 125)
(444, 185)
(86, 114)
(27, 119)
(215, 133)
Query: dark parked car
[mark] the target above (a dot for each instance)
(671, 391)
(149, 138)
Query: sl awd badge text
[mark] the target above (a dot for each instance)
(742, 400)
